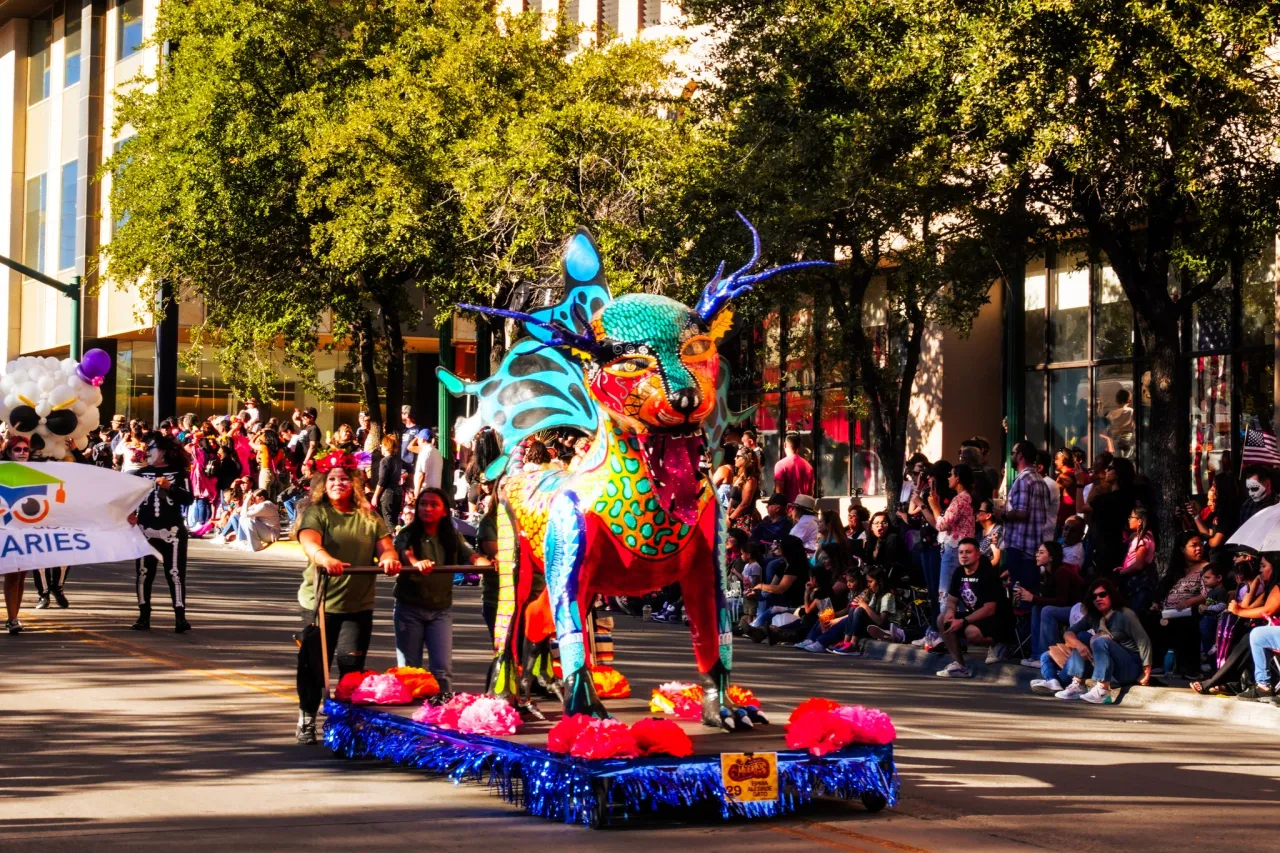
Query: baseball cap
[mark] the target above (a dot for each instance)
(778, 499)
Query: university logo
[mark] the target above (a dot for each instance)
(24, 493)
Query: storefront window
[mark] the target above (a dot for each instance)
(1115, 425)
(1034, 426)
(1258, 390)
(1211, 319)
(1210, 417)
(1069, 407)
(1069, 310)
(1258, 300)
(1113, 319)
(1033, 312)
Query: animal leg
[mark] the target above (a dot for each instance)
(504, 680)
(565, 550)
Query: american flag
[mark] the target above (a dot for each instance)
(1259, 448)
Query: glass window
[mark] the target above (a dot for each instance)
(1033, 406)
(1210, 417)
(1211, 319)
(130, 28)
(1115, 429)
(1033, 312)
(40, 40)
(123, 216)
(1069, 309)
(71, 43)
(1257, 389)
(1258, 300)
(67, 216)
(1069, 408)
(832, 463)
(33, 246)
(1113, 326)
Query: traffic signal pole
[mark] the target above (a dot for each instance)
(73, 291)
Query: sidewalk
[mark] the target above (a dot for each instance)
(1180, 701)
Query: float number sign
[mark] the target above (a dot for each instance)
(750, 777)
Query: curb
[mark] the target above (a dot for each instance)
(1178, 702)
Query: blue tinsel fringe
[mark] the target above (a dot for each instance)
(559, 787)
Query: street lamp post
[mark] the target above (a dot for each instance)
(72, 291)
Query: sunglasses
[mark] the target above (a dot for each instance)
(1098, 595)
(20, 450)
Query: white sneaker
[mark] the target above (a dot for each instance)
(955, 670)
(1097, 696)
(1041, 687)
(1034, 663)
(1074, 689)
(919, 644)
(995, 654)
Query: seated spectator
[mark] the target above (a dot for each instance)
(752, 575)
(884, 546)
(874, 614)
(804, 522)
(1264, 639)
(1174, 620)
(989, 534)
(833, 545)
(786, 592)
(1137, 572)
(1230, 653)
(1215, 603)
(855, 529)
(828, 631)
(259, 522)
(1062, 585)
(1073, 542)
(1111, 636)
(976, 609)
(770, 530)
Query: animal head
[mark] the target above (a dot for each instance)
(648, 360)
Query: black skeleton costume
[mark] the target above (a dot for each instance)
(162, 519)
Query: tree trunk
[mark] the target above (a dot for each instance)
(393, 335)
(368, 369)
(818, 328)
(1167, 472)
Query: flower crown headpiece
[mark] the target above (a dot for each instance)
(336, 459)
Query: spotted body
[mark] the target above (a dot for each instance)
(642, 375)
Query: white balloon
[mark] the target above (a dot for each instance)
(10, 401)
(61, 394)
(18, 375)
(46, 383)
(50, 363)
(30, 390)
(43, 409)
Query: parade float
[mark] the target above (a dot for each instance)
(643, 377)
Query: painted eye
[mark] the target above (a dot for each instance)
(696, 349)
(630, 365)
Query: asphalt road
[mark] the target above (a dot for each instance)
(116, 740)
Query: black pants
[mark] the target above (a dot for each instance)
(50, 579)
(389, 504)
(347, 636)
(174, 555)
(1183, 636)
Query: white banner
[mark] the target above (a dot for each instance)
(65, 514)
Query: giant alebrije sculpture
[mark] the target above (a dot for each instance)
(642, 374)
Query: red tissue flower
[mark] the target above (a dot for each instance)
(661, 737)
(348, 684)
(562, 735)
(605, 739)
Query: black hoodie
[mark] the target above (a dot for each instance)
(163, 508)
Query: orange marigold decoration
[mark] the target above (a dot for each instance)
(683, 700)
(417, 679)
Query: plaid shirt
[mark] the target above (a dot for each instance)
(1030, 494)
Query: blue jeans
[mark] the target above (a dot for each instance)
(1208, 631)
(949, 560)
(417, 625)
(1263, 639)
(232, 526)
(1022, 568)
(931, 564)
(832, 635)
(1112, 662)
(1048, 669)
(764, 607)
(1045, 619)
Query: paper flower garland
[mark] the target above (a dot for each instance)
(683, 700)
(382, 690)
(609, 683)
(348, 684)
(584, 736)
(417, 679)
(823, 726)
(472, 714)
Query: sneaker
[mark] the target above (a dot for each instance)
(1042, 687)
(892, 635)
(14, 626)
(1034, 663)
(809, 646)
(995, 654)
(756, 635)
(42, 602)
(306, 731)
(1256, 693)
(1074, 690)
(847, 649)
(919, 644)
(1097, 696)
(955, 670)
(60, 597)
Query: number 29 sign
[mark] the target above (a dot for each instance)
(750, 777)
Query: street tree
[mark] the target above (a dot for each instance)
(834, 124)
(1154, 127)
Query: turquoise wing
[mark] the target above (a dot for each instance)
(720, 419)
(536, 388)
(585, 290)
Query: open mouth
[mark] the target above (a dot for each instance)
(673, 459)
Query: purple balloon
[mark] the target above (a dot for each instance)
(94, 365)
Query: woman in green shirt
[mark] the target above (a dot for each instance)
(338, 530)
(424, 598)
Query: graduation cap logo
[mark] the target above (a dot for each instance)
(24, 493)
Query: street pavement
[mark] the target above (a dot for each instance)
(119, 740)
